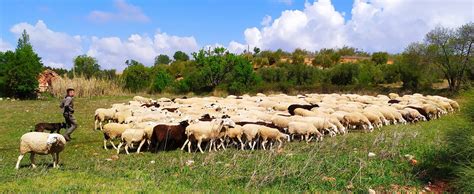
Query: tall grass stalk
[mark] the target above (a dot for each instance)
(87, 87)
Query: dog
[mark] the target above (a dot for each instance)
(53, 127)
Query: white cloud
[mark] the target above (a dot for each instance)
(287, 2)
(375, 24)
(4, 46)
(124, 12)
(267, 20)
(112, 51)
(56, 48)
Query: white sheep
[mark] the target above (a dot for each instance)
(268, 133)
(41, 143)
(112, 131)
(306, 130)
(202, 131)
(103, 114)
(130, 136)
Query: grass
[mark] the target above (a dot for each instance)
(336, 164)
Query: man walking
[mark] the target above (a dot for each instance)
(67, 105)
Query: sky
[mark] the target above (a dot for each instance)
(113, 31)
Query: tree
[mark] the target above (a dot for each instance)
(86, 66)
(136, 76)
(19, 70)
(256, 50)
(452, 52)
(411, 65)
(180, 56)
(162, 59)
(326, 58)
(298, 56)
(242, 76)
(162, 79)
(380, 58)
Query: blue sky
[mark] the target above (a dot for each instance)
(209, 21)
(116, 30)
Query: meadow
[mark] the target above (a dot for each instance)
(338, 163)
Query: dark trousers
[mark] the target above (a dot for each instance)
(71, 123)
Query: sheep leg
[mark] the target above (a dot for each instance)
(308, 138)
(119, 146)
(32, 158)
(126, 148)
(241, 144)
(54, 159)
(185, 143)
(263, 144)
(250, 145)
(95, 124)
(253, 145)
(199, 145)
(140, 146)
(105, 144)
(280, 143)
(189, 146)
(113, 145)
(20, 157)
(210, 145)
(57, 159)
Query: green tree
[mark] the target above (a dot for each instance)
(256, 51)
(162, 79)
(344, 74)
(412, 64)
(242, 76)
(380, 58)
(452, 52)
(136, 76)
(180, 56)
(326, 58)
(86, 66)
(298, 56)
(19, 70)
(162, 59)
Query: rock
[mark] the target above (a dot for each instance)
(152, 162)
(115, 157)
(371, 191)
(95, 154)
(189, 162)
(350, 186)
(409, 156)
(371, 154)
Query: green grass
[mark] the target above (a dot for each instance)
(331, 165)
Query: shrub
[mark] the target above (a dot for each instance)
(344, 74)
(162, 79)
(136, 77)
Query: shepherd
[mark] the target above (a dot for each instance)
(67, 104)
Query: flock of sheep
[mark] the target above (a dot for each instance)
(257, 121)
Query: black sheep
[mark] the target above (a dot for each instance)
(291, 108)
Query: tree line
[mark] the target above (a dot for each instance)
(444, 54)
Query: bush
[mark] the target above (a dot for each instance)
(344, 74)
(369, 74)
(136, 77)
(162, 79)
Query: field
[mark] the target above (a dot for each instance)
(335, 164)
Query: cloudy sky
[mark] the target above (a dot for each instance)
(116, 30)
